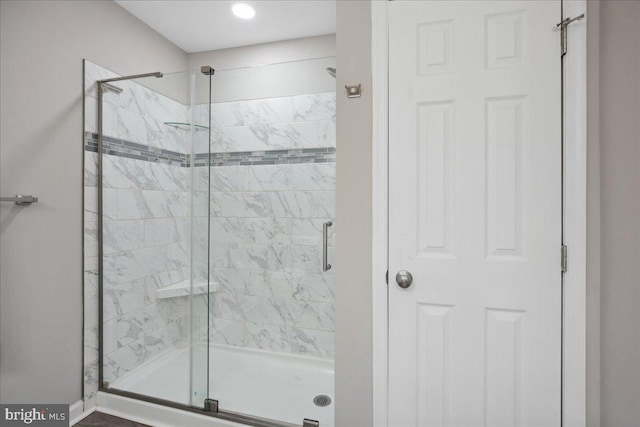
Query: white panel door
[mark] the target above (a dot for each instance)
(475, 213)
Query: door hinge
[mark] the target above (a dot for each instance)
(563, 32)
(386, 277)
(563, 261)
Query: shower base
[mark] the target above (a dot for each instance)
(277, 386)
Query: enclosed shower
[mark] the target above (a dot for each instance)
(209, 240)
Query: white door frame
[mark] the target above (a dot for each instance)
(575, 214)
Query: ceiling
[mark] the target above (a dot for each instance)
(197, 26)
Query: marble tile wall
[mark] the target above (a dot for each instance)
(302, 121)
(266, 254)
(266, 224)
(272, 185)
(137, 114)
(145, 248)
(145, 220)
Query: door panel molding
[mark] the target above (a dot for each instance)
(574, 298)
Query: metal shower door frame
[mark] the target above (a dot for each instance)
(210, 405)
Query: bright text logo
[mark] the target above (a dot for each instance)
(34, 415)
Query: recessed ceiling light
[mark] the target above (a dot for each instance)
(244, 11)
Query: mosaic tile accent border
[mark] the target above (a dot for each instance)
(132, 150)
(269, 157)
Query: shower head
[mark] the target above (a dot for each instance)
(331, 71)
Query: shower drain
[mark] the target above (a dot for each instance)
(322, 400)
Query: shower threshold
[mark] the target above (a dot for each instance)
(268, 385)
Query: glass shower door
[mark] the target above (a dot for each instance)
(272, 183)
(216, 212)
(200, 235)
(153, 219)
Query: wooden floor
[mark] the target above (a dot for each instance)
(98, 419)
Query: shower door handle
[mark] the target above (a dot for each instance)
(325, 245)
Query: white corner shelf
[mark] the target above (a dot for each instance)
(183, 289)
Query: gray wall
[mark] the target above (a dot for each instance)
(620, 212)
(354, 345)
(266, 53)
(291, 67)
(593, 215)
(42, 44)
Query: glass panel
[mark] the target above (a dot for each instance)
(200, 205)
(154, 240)
(272, 173)
(213, 212)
